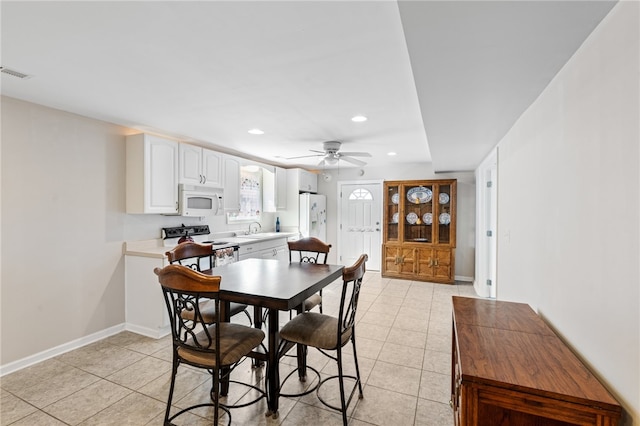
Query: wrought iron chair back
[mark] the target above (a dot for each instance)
(201, 339)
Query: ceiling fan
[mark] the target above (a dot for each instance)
(331, 155)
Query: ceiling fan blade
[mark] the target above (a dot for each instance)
(315, 150)
(302, 156)
(356, 154)
(352, 161)
(321, 163)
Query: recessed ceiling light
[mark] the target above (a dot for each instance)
(256, 132)
(391, 154)
(359, 118)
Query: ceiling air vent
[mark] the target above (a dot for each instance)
(5, 70)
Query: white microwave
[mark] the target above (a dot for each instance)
(200, 201)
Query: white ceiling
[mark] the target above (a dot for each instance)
(436, 79)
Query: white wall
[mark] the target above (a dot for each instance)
(465, 232)
(568, 212)
(63, 228)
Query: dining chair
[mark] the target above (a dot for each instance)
(199, 257)
(209, 343)
(329, 333)
(309, 250)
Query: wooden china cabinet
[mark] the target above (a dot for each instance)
(419, 234)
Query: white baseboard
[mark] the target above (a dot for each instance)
(149, 332)
(463, 278)
(59, 350)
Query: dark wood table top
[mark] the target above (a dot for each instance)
(271, 283)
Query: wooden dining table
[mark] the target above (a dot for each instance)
(274, 285)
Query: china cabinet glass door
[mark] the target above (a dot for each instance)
(418, 214)
(444, 214)
(393, 213)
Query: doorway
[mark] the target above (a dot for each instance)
(360, 227)
(486, 283)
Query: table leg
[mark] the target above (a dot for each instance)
(257, 323)
(225, 316)
(273, 367)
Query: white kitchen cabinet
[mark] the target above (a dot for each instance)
(200, 166)
(270, 249)
(281, 188)
(151, 174)
(274, 189)
(303, 180)
(231, 183)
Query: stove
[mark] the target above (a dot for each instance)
(223, 251)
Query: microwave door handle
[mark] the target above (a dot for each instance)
(220, 209)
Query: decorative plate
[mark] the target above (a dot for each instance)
(421, 240)
(395, 218)
(445, 218)
(419, 195)
(395, 198)
(427, 218)
(412, 218)
(443, 198)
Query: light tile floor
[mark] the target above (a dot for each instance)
(404, 352)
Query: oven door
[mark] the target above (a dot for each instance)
(226, 255)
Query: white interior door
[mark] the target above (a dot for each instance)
(360, 227)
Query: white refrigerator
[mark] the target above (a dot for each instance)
(313, 216)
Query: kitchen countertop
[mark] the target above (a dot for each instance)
(156, 248)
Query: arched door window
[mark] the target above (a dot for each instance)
(360, 194)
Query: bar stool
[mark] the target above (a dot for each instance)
(328, 333)
(209, 343)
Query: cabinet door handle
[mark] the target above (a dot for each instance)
(430, 262)
(436, 264)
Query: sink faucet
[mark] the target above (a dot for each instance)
(254, 229)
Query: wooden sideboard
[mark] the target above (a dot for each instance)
(510, 368)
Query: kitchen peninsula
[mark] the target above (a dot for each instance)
(145, 311)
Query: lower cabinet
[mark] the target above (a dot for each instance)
(435, 264)
(399, 261)
(271, 249)
(419, 263)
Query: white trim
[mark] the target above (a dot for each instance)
(463, 278)
(486, 213)
(155, 333)
(59, 350)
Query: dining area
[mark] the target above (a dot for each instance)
(199, 303)
(403, 353)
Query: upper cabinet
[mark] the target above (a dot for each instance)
(151, 175)
(304, 180)
(420, 230)
(281, 188)
(274, 189)
(200, 166)
(231, 173)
